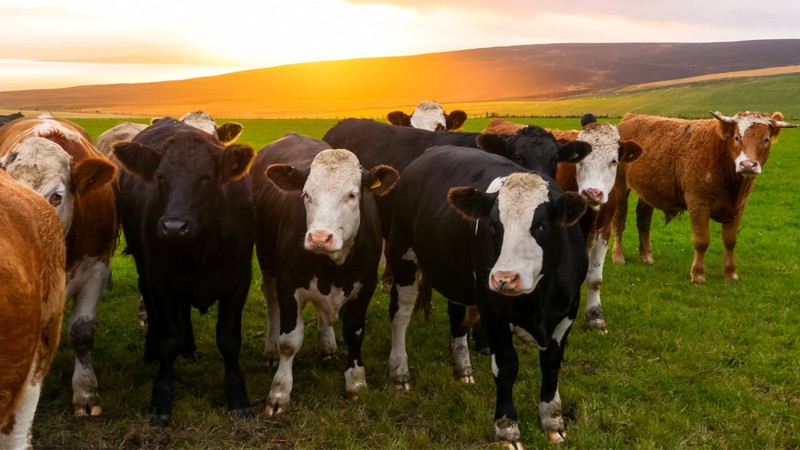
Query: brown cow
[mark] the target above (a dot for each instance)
(594, 178)
(707, 167)
(90, 237)
(429, 116)
(32, 282)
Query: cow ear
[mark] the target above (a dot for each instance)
(90, 174)
(470, 203)
(138, 159)
(399, 118)
(235, 161)
(493, 143)
(570, 207)
(379, 180)
(286, 178)
(574, 152)
(455, 119)
(629, 151)
(229, 132)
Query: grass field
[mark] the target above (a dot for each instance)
(714, 366)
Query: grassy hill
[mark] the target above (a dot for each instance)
(330, 88)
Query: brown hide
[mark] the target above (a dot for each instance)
(95, 226)
(32, 283)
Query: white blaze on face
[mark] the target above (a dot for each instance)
(597, 172)
(747, 165)
(332, 193)
(519, 266)
(200, 120)
(429, 116)
(44, 166)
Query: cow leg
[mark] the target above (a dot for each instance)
(594, 281)
(354, 319)
(644, 217)
(479, 338)
(229, 343)
(701, 239)
(403, 298)
(387, 277)
(87, 286)
(15, 429)
(169, 345)
(620, 216)
(268, 288)
(460, 323)
(730, 232)
(290, 340)
(326, 338)
(505, 367)
(549, 399)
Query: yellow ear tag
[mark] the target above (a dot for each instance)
(376, 184)
(574, 156)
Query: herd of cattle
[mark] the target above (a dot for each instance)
(507, 224)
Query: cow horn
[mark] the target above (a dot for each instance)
(782, 124)
(722, 118)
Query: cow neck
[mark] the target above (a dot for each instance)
(739, 186)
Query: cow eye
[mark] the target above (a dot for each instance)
(352, 196)
(55, 199)
(613, 163)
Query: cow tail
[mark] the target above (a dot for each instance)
(424, 296)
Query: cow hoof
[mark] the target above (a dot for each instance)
(466, 379)
(647, 259)
(275, 408)
(243, 413)
(732, 278)
(403, 386)
(556, 437)
(88, 410)
(698, 279)
(159, 420)
(516, 445)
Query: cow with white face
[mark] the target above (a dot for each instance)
(429, 116)
(318, 240)
(497, 236)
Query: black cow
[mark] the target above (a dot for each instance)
(318, 239)
(522, 264)
(186, 209)
(8, 118)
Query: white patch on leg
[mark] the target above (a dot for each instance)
(398, 358)
(561, 329)
(289, 344)
(495, 369)
(462, 366)
(550, 415)
(355, 381)
(506, 430)
(594, 281)
(19, 437)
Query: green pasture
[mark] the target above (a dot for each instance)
(714, 366)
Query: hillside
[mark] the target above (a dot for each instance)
(542, 72)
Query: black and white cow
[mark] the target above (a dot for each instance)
(185, 203)
(318, 240)
(494, 235)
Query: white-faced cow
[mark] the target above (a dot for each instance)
(318, 240)
(594, 178)
(83, 194)
(707, 167)
(491, 235)
(187, 213)
(227, 133)
(429, 116)
(32, 284)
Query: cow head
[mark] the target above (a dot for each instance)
(227, 133)
(525, 215)
(332, 192)
(597, 173)
(189, 171)
(47, 168)
(429, 116)
(750, 135)
(534, 148)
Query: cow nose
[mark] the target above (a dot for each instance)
(593, 195)
(505, 281)
(749, 167)
(319, 240)
(175, 227)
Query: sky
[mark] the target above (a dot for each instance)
(241, 34)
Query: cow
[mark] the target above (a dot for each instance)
(32, 285)
(318, 240)
(186, 208)
(594, 178)
(707, 167)
(86, 206)
(429, 116)
(227, 133)
(494, 235)
(4, 119)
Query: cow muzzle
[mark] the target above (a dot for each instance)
(320, 241)
(749, 168)
(173, 228)
(594, 197)
(510, 283)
